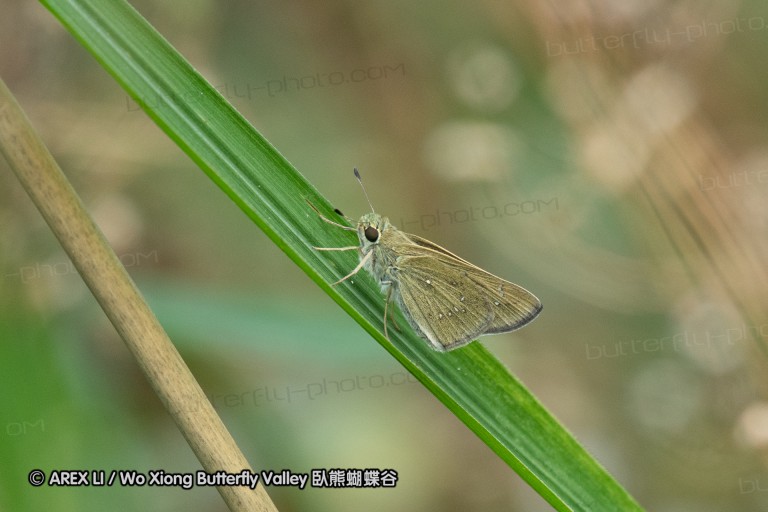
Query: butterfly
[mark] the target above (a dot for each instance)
(447, 300)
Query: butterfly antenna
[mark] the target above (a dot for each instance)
(360, 180)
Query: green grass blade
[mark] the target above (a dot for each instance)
(470, 382)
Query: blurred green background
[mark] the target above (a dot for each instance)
(608, 156)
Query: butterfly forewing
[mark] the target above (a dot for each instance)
(499, 306)
(443, 304)
(513, 306)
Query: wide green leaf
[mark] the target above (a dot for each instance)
(470, 382)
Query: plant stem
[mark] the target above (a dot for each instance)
(118, 296)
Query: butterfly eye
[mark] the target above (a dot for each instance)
(371, 233)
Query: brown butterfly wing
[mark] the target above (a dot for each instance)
(490, 305)
(513, 305)
(441, 302)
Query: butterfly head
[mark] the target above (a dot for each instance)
(369, 229)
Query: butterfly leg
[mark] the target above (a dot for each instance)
(336, 248)
(357, 268)
(388, 285)
(386, 307)
(337, 225)
(394, 321)
(348, 228)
